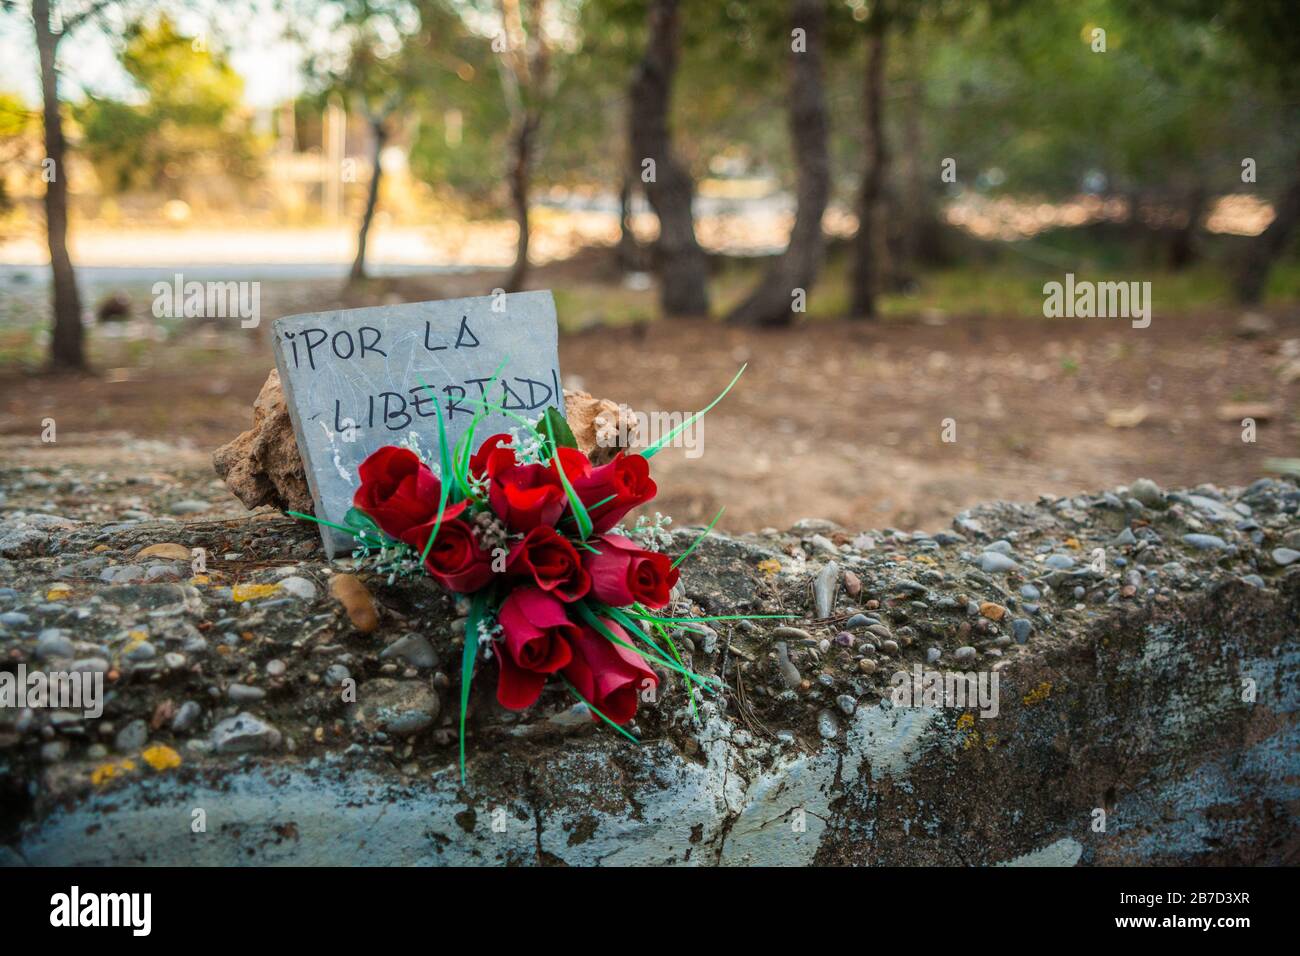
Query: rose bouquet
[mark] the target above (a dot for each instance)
(526, 528)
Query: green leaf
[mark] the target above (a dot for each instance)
(555, 427)
(658, 446)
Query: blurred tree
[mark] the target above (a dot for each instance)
(380, 73)
(52, 21)
(680, 262)
(190, 120)
(784, 288)
(528, 82)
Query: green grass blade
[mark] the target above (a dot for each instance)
(590, 616)
(579, 509)
(574, 691)
(696, 543)
(658, 446)
(467, 668)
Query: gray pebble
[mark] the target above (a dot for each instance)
(132, 737)
(242, 693)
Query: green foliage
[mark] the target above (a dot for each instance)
(189, 122)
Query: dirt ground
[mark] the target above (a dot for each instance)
(833, 419)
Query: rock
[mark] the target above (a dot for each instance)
(827, 725)
(190, 506)
(790, 675)
(813, 526)
(356, 600)
(994, 562)
(847, 704)
(1285, 556)
(600, 426)
(1021, 628)
(414, 649)
(15, 619)
(823, 545)
(852, 584)
(299, 587)
(867, 665)
(187, 715)
(1205, 542)
(401, 708)
(825, 585)
(140, 651)
(994, 612)
(53, 643)
(1148, 492)
(244, 734)
(336, 674)
(132, 738)
(1059, 562)
(243, 693)
(171, 552)
(964, 654)
(262, 466)
(23, 543)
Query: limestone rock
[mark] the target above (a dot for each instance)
(598, 424)
(263, 467)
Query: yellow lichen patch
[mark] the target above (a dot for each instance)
(1038, 694)
(924, 559)
(965, 721)
(769, 566)
(199, 579)
(1072, 543)
(161, 757)
(58, 592)
(251, 592)
(107, 771)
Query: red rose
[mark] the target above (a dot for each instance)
(536, 636)
(397, 490)
(624, 574)
(607, 675)
(523, 496)
(551, 561)
(625, 482)
(456, 560)
(478, 462)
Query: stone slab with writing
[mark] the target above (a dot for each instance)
(352, 381)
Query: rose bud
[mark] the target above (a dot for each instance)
(624, 574)
(551, 562)
(607, 675)
(456, 560)
(625, 482)
(398, 491)
(536, 637)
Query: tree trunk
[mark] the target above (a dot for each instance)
(788, 280)
(522, 142)
(379, 131)
(66, 351)
(629, 250)
(1264, 249)
(1182, 245)
(683, 270)
(869, 256)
